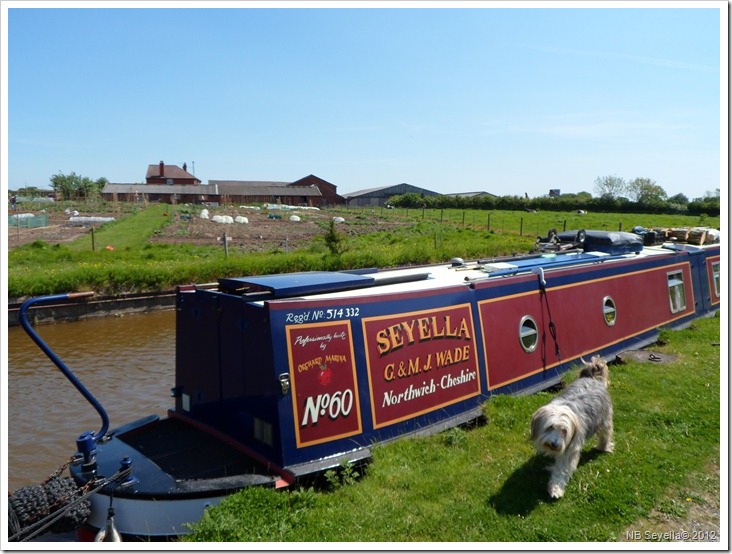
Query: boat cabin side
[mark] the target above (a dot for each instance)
(308, 369)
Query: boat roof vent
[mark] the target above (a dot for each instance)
(457, 262)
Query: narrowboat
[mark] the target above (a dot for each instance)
(279, 377)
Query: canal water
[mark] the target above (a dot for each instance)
(127, 363)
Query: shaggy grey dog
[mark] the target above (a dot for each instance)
(561, 428)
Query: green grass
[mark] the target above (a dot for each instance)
(486, 484)
(129, 232)
(534, 224)
(136, 264)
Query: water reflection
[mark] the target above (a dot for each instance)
(126, 362)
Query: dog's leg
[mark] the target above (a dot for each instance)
(605, 437)
(557, 483)
(562, 471)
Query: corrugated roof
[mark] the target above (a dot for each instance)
(400, 187)
(142, 188)
(229, 182)
(470, 194)
(231, 189)
(368, 191)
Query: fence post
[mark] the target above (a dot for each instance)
(620, 226)
(521, 227)
(93, 239)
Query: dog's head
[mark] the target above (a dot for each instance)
(553, 428)
(596, 368)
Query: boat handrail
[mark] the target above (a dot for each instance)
(549, 264)
(23, 317)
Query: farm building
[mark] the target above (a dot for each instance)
(380, 196)
(309, 191)
(174, 185)
(168, 194)
(327, 190)
(266, 192)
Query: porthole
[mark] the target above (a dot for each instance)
(609, 312)
(528, 334)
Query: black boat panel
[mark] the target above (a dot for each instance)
(171, 459)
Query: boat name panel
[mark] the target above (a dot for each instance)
(418, 362)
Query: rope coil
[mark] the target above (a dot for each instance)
(58, 505)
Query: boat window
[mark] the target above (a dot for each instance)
(715, 275)
(608, 311)
(528, 334)
(676, 293)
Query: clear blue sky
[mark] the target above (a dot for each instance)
(452, 100)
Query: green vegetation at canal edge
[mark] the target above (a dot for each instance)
(138, 265)
(486, 484)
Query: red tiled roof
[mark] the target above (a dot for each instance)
(171, 172)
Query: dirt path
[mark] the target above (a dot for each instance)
(689, 514)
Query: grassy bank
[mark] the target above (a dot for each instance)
(136, 264)
(486, 484)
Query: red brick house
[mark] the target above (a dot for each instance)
(161, 174)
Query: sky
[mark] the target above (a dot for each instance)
(507, 98)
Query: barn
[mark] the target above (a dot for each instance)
(379, 196)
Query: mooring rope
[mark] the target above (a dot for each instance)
(552, 325)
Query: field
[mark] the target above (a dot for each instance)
(260, 234)
(265, 233)
(157, 246)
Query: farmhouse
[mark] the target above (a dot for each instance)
(161, 174)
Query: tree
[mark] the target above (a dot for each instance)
(611, 185)
(408, 200)
(74, 187)
(680, 199)
(334, 240)
(646, 191)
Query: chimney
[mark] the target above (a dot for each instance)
(162, 169)
(185, 167)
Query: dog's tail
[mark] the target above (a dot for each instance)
(596, 369)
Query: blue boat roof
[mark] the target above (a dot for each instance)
(546, 261)
(296, 284)
(549, 259)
